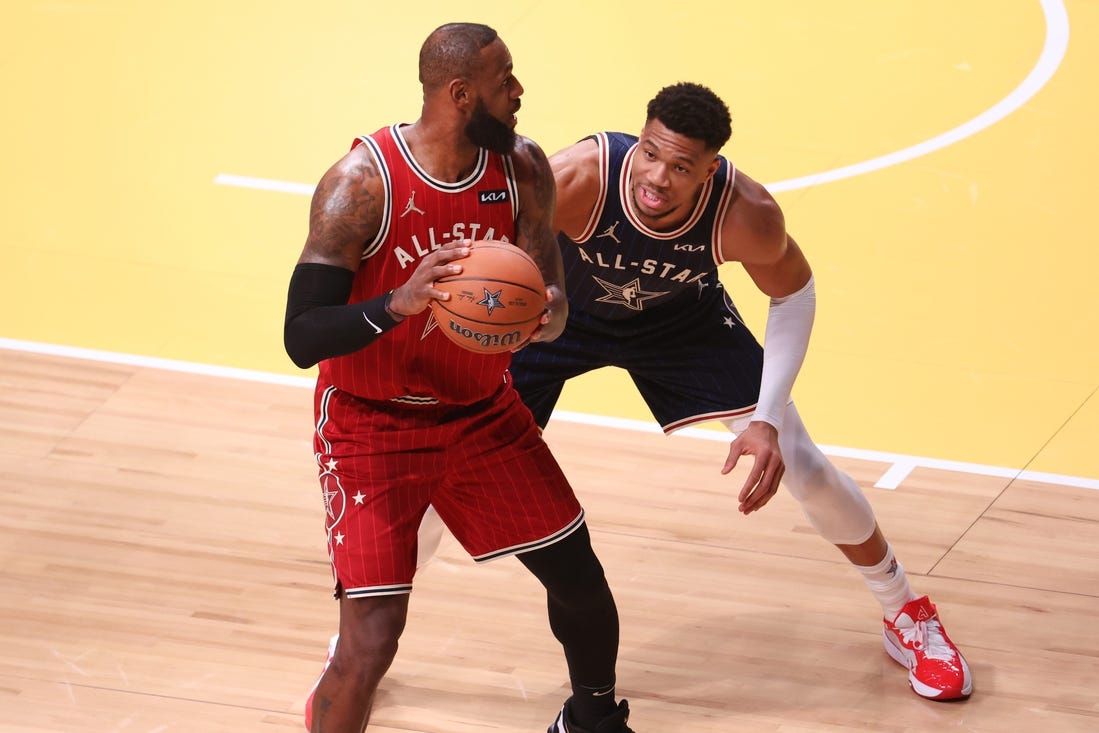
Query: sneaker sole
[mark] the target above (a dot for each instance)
(558, 724)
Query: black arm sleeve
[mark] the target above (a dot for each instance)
(320, 323)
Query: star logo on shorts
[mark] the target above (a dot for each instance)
(332, 492)
(334, 502)
(491, 300)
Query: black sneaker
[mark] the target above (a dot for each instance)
(613, 723)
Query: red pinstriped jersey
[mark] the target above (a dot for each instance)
(414, 362)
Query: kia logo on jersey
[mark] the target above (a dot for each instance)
(493, 197)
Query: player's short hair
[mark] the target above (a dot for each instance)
(693, 111)
(453, 50)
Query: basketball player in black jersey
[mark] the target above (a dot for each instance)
(644, 223)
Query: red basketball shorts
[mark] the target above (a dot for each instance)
(484, 467)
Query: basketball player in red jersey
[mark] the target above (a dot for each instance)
(404, 417)
(645, 222)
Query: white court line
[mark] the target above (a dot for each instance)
(264, 184)
(1053, 52)
(899, 462)
(896, 475)
(153, 362)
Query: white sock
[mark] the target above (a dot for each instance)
(887, 582)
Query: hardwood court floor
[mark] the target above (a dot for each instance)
(164, 570)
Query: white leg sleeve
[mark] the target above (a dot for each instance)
(832, 501)
(428, 536)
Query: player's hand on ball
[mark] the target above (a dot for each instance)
(496, 302)
(554, 317)
(418, 292)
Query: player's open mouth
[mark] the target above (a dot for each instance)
(648, 198)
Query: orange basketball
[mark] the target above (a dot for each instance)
(496, 301)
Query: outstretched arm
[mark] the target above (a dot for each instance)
(756, 236)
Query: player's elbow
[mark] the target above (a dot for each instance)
(295, 339)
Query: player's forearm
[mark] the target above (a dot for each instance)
(321, 324)
(789, 324)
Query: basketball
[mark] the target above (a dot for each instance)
(495, 303)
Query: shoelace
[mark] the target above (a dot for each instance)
(926, 636)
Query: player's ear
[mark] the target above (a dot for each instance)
(459, 92)
(714, 165)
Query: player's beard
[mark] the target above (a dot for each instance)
(485, 131)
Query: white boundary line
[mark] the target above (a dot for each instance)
(1053, 52)
(152, 362)
(264, 184)
(900, 464)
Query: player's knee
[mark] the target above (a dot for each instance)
(810, 475)
(832, 501)
(570, 571)
(365, 657)
(587, 579)
(838, 510)
(370, 630)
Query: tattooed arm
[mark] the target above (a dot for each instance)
(534, 227)
(346, 211)
(346, 214)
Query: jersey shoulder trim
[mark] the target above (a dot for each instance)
(458, 186)
(603, 147)
(371, 247)
(724, 203)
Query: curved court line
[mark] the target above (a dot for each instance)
(1053, 52)
(900, 464)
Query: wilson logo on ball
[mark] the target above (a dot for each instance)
(487, 342)
(495, 303)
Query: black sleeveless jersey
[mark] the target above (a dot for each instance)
(618, 269)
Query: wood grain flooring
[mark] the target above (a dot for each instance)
(162, 568)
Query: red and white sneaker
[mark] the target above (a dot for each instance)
(916, 639)
(313, 690)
